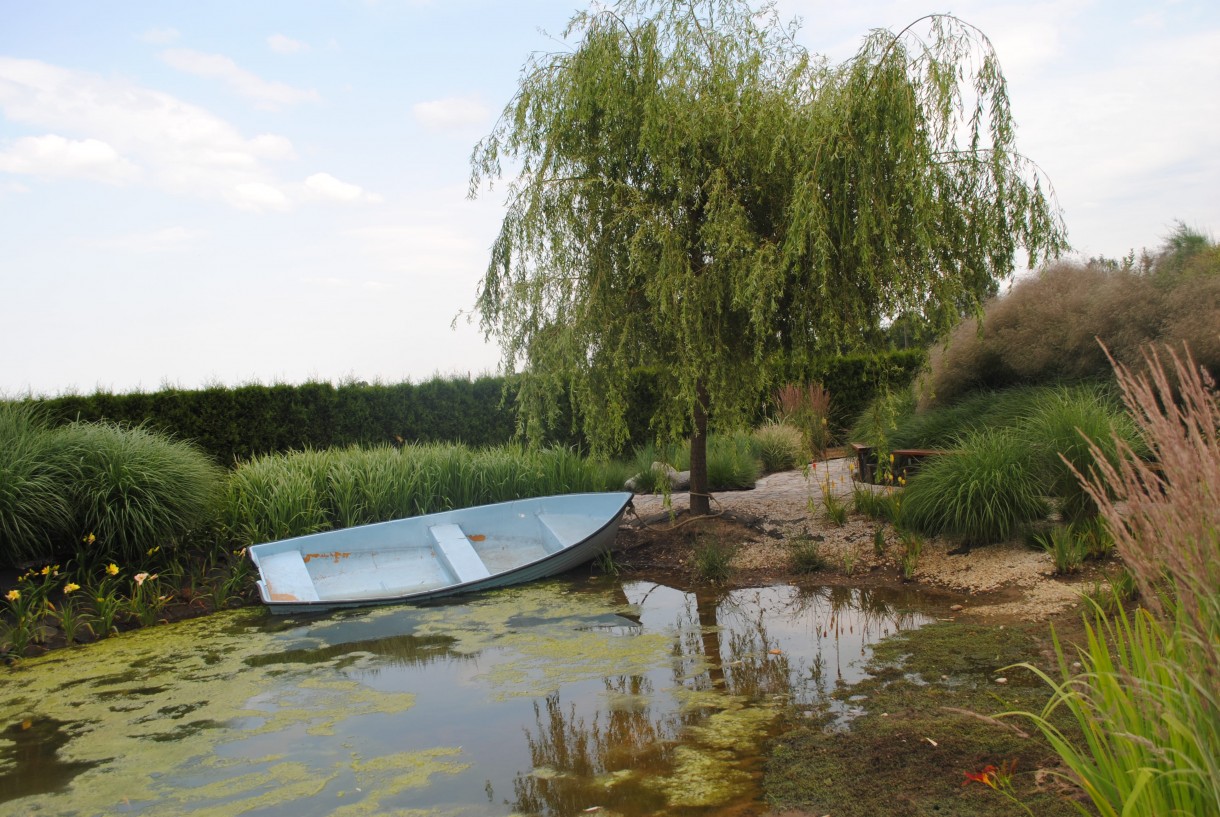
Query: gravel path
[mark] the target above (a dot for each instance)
(1004, 580)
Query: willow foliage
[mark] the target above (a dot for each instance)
(697, 192)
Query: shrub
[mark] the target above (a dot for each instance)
(35, 481)
(1045, 329)
(138, 489)
(982, 492)
(777, 446)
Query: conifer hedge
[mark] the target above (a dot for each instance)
(242, 422)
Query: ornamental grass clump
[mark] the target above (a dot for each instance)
(778, 445)
(981, 493)
(138, 489)
(35, 487)
(1147, 698)
(1066, 430)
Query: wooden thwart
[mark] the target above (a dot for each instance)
(455, 548)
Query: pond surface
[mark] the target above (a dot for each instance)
(550, 699)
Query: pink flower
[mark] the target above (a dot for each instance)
(141, 577)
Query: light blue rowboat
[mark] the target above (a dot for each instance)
(440, 554)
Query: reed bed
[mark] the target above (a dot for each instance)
(284, 495)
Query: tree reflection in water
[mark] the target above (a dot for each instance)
(737, 658)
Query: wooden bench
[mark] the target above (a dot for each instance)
(906, 461)
(909, 460)
(455, 550)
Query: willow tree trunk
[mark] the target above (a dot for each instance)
(700, 499)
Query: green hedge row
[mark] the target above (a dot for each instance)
(238, 423)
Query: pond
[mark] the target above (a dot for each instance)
(552, 699)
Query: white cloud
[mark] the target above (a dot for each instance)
(452, 112)
(174, 145)
(160, 36)
(258, 196)
(326, 186)
(166, 239)
(55, 156)
(266, 93)
(282, 44)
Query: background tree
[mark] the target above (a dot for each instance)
(697, 192)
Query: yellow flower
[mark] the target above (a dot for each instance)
(46, 570)
(90, 539)
(71, 587)
(153, 550)
(112, 569)
(13, 595)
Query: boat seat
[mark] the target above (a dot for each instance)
(561, 530)
(287, 577)
(453, 546)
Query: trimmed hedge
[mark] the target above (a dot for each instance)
(234, 424)
(854, 380)
(247, 421)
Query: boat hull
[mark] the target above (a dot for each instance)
(437, 555)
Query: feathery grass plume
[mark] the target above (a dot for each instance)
(981, 493)
(808, 409)
(1148, 697)
(35, 486)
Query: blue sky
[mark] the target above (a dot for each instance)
(226, 192)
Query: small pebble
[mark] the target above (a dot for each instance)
(957, 607)
(1001, 680)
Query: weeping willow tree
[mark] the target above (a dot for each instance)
(697, 193)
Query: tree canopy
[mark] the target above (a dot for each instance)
(696, 192)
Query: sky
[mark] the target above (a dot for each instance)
(275, 191)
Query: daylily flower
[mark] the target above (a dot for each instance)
(13, 595)
(112, 569)
(987, 776)
(140, 577)
(71, 587)
(90, 539)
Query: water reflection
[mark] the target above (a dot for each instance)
(550, 699)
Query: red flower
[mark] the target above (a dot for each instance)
(987, 776)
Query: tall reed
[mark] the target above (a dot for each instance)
(1148, 697)
(294, 494)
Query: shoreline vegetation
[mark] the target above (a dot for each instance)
(116, 527)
